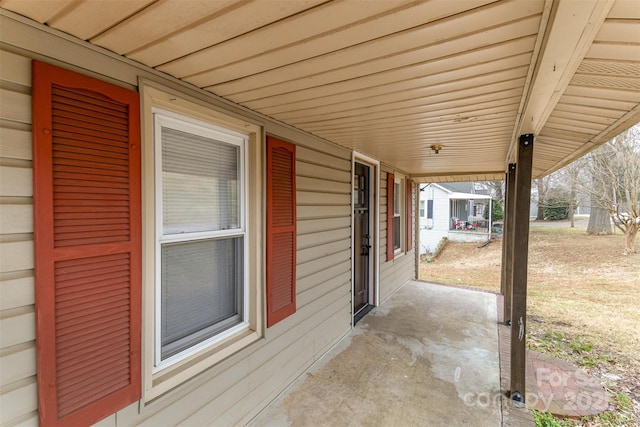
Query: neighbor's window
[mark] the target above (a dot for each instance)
(421, 208)
(398, 207)
(201, 291)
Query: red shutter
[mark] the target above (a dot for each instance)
(86, 166)
(390, 211)
(281, 230)
(409, 215)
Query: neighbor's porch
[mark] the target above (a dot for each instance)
(429, 355)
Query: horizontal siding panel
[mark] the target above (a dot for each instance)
(314, 212)
(16, 143)
(318, 278)
(304, 183)
(307, 198)
(15, 182)
(323, 172)
(300, 357)
(16, 219)
(17, 329)
(17, 292)
(322, 224)
(18, 401)
(341, 281)
(28, 420)
(16, 256)
(15, 68)
(316, 157)
(310, 240)
(317, 265)
(15, 106)
(18, 363)
(321, 251)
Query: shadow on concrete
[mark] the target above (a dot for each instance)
(428, 356)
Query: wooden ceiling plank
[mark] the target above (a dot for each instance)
(38, 10)
(417, 108)
(609, 104)
(588, 111)
(328, 18)
(613, 51)
(414, 102)
(89, 19)
(393, 81)
(158, 21)
(470, 116)
(413, 115)
(479, 23)
(570, 115)
(402, 66)
(571, 30)
(226, 24)
(625, 9)
(619, 31)
(559, 122)
(319, 107)
(603, 93)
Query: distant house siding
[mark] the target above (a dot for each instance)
(433, 230)
(234, 390)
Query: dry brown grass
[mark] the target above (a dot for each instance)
(582, 294)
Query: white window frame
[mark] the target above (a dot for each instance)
(399, 210)
(236, 343)
(423, 209)
(163, 118)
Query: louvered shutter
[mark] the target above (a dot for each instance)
(86, 154)
(390, 211)
(281, 230)
(409, 215)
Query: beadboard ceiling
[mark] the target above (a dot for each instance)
(390, 78)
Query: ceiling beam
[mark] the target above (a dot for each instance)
(567, 34)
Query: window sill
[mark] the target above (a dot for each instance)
(171, 377)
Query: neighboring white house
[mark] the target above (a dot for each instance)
(454, 211)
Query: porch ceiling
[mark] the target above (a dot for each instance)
(389, 78)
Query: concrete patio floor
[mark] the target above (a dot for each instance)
(428, 356)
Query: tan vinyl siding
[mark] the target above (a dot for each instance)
(234, 390)
(18, 399)
(393, 274)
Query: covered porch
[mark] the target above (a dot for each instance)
(429, 355)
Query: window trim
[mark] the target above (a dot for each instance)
(155, 95)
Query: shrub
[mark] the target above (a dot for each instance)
(556, 204)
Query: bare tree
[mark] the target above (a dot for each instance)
(614, 169)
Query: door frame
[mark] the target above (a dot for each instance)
(374, 224)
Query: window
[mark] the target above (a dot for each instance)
(421, 208)
(430, 209)
(398, 205)
(200, 191)
(203, 237)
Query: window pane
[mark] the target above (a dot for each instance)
(201, 291)
(396, 198)
(200, 183)
(429, 209)
(396, 232)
